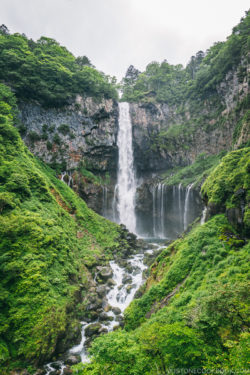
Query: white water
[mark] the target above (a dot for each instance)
(203, 217)
(186, 207)
(49, 367)
(159, 210)
(118, 296)
(180, 207)
(126, 182)
(70, 179)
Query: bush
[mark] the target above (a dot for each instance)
(64, 129)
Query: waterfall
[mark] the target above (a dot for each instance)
(154, 212)
(158, 194)
(69, 177)
(126, 182)
(162, 188)
(186, 207)
(203, 217)
(180, 207)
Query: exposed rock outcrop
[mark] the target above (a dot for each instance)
(166, 136)
(83, 132)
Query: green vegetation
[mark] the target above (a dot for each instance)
(49, 242)
(160, 82)
(64, 129)
(48, 72)
(228, 185)
(195, 173)
(192, 315)
(193, 312)
(173, 84)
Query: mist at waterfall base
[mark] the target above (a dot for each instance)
(168, 211)
(165, 212)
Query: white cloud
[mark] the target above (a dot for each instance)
(117, 33)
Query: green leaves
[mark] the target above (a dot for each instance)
(42, 260)
(48, 72)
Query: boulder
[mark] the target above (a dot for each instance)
(67, 371)
(127, 279)
(72, 360)
(111, 282)
(92, 329)
(104, 273)
(101, 290)
(107, 308)
(116, 310)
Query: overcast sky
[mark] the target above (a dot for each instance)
(117, 33)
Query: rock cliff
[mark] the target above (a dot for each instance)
(169, 135)
(83, 132)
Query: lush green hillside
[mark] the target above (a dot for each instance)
(173, 84)
(193, 309)
(48, 72)
(50, 240)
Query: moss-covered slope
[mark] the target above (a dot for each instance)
(50, 240)
(193, 310)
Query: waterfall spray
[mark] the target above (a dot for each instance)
(126, 182)
(186, 207)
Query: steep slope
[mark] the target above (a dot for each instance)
(192, 314)
(179, 113)
(68, 110)
(50, 244)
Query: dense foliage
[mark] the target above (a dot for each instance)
(49, 239)
(163, 82)
(228, 185)
(193, 311)
(48, 72)
(192, 315)
(195, 173)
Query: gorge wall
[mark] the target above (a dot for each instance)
(81, 139)
(166, 136)
(84, 132)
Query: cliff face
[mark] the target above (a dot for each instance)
(84, 132)
(166, 136)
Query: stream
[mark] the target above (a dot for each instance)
(126, 283)
(127, 274)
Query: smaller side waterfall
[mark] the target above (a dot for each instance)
(203, 216)
(159, 202)
(180, 206)
(186, 206)
(67, 178)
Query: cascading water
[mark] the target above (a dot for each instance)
(180, 207)
(203, 216)
(119, 296)
(159, 210)
(126, 182)
(186, 206)
(69, 179)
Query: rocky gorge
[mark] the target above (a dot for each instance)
(80, 141)
(124, 222)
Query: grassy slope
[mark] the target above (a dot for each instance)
(195, 173)
(193, 308)
(49, 238)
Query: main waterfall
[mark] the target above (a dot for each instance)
(126, 182)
